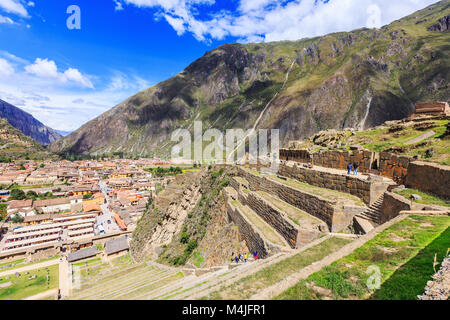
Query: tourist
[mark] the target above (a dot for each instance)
(236, 259)
(355, 168)
(255, 255)
(349, 168)
(245, 258)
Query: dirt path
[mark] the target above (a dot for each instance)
(421, 137)
(65, 279)
(43, 295)
(278, 288)
(30, 267)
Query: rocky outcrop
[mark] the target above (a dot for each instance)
(162, 222)
(442, 25)
(27, 124)
(439, 287)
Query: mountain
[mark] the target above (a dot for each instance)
(15, 145)
(355, 79)
(63, 133)
(27, 124)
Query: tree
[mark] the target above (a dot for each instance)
(87, 196)
(17, 194)
(17, 218)
(32, 194)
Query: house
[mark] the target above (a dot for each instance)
(98, 198)
(117, 246)
(16, 205)
(92, 208)
(82, 254)
(57, 205)
(120, 222)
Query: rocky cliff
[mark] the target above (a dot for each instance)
(27, 124)
(357, 79)
(188, 223)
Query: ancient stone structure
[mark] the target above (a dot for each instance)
(317, 206)
(368, 191)
(429, 177)
(392, 205)
(394, 166)
(254, 240)
(436, 108)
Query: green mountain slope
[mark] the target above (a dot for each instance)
(15, 145)
(356, 79)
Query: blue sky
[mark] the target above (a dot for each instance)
(67, 77)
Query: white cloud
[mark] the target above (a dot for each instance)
(48, 94)
(30, 4)
(272, 20)
(6, 69)
(14, 7)
(6, 20)
(118, 5)
(47, 69)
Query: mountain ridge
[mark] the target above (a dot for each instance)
(355, 79)
(27, 124)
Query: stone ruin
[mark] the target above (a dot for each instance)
(436, 108)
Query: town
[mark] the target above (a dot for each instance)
(69, 204)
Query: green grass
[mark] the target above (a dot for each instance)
(87, 262)
(21, 263)
(31, 186)
(246, 287)
(197, 259)
(21, 287)
(404, 253)
(11, 263)
(426, 198)
(409, 280)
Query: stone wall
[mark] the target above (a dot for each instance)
(316, 206)
(384, 163)
(368, 191)
(274, 217)
(394, 166)
(296, 236)
(429, 177)
(253, 239)
(331, 158)
(392, 205)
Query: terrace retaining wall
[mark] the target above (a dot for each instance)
(368, 191)
(317, 206)
(429, 177)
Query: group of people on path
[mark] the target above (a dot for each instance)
(353, 166)
(244, 258)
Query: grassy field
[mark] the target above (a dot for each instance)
(21, 263)
(21, 287)
(426, 198)
(404, 254)
(246, 287)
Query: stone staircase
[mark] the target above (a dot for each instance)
(373, 213)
